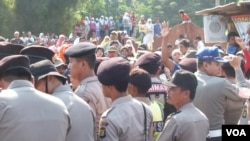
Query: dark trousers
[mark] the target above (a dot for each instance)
(214, 139)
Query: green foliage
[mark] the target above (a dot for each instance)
(60, 16)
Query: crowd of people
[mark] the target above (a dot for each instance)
(79, 88)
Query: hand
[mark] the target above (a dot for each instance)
(240, 42)
(235, 62)
(165, 29)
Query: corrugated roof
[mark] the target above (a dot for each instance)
(228, 9)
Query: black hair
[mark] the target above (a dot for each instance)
(151, 68)
(198, 37)
(16, 74)
(122, 85)
(90, 59)
(140, 79)
(229, 70)
(184, 42)
(181, 11)
(231, 34)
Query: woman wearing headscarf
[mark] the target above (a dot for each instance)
(149, 37)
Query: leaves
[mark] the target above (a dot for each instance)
(59, 16)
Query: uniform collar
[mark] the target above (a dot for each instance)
(200, 73)
(62, 88)
(186, 106)
(20, 83)
(143, 99)
(89, 79)
(121, 100)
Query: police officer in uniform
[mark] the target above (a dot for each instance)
(151, 62)
(139, 83)
(233, 108)
(27, 114)
(213, 91)
(81, 65)
(188, 123)
(127, 119)
(48, 80)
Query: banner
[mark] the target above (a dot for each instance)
(215, 28)
(241, 23)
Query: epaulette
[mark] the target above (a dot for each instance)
(174, 113)
(105, 114)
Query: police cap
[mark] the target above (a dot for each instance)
(37, 53)
(7, 49)
(44, 68)
(13, 62)
(81, 49)
(113, 71)
(148, 58)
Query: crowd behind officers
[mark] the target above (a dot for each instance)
(145, 96)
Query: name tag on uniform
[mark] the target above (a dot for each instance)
(158, 126)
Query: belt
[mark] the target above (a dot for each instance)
(214, 133)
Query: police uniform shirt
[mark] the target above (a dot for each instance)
(124, 121)
(90, 90)
(156, 109)
(189, 124)
(211, 95)
(233, 108)
(27, 114)
(81, 115)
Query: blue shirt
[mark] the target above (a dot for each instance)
(157, 29)
(232, 49)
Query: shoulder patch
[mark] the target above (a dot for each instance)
(103, 123)
(102, 132)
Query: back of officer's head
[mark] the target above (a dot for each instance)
(15, 67)
(114, 72)
(140, 79)
(150, 62)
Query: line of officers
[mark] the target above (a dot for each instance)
(110, 103)
(37, 103)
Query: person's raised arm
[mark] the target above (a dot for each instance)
(246, 53)
(166, 52)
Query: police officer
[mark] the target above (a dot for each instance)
(81, 65)
(188, 123)
(139, 83)
(127, 119)
(27, 114)
(151, 62)
(233, 108)
(213, 91)
(48, 80)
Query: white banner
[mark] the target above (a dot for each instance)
(241, 22)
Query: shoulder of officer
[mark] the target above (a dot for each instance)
(173, 114)
(107, 112)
